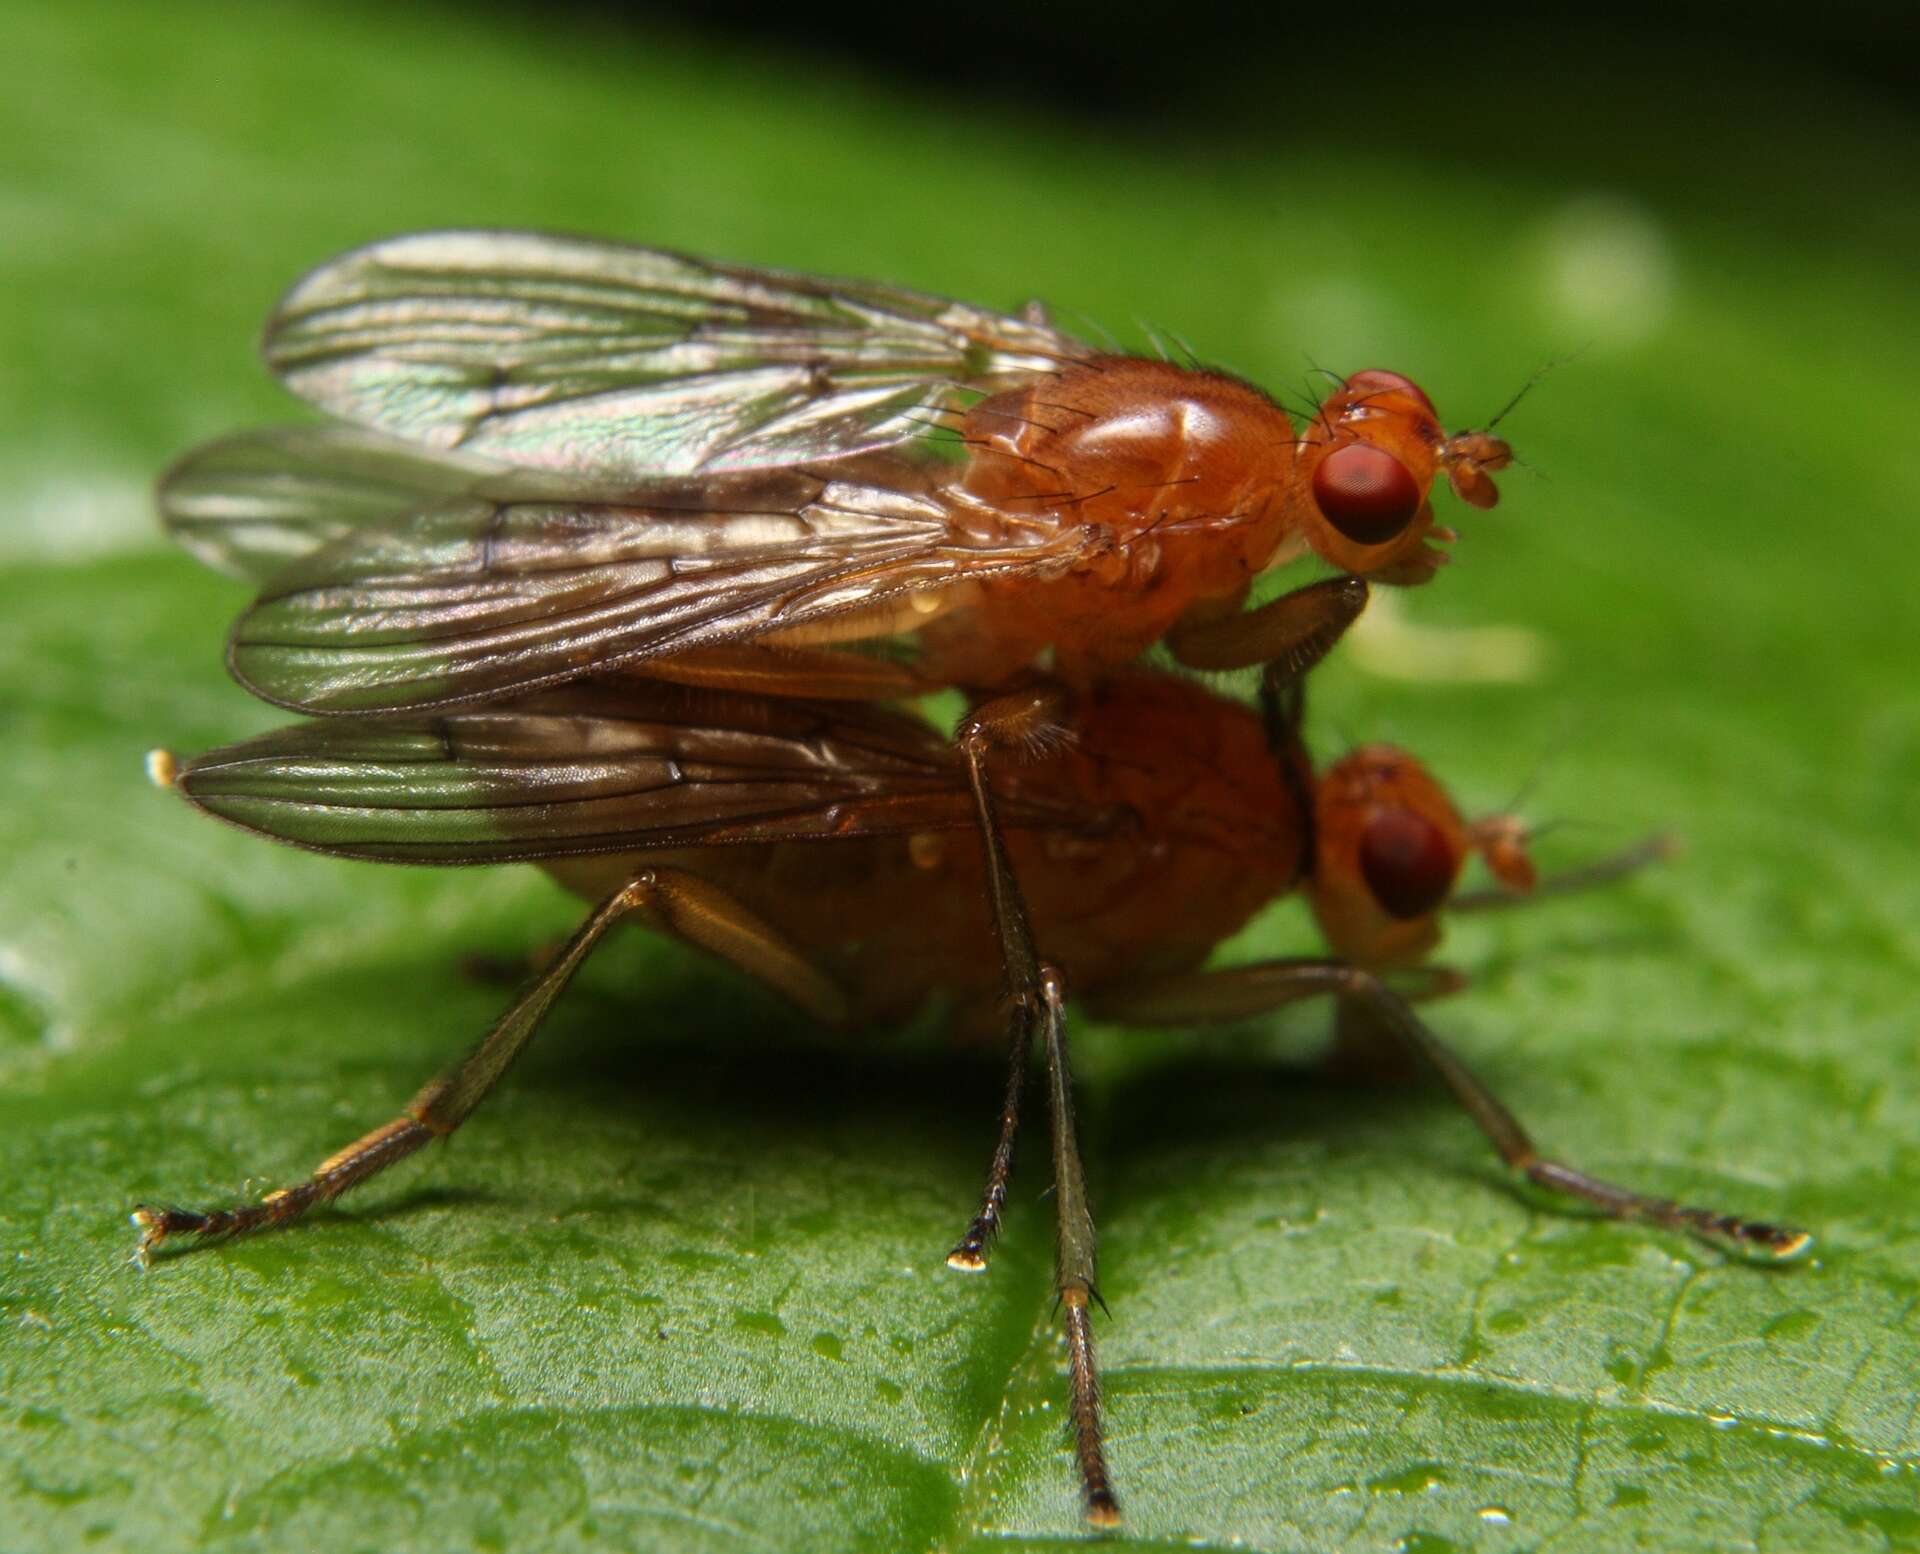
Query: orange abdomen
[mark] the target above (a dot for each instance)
(1192, 828)
(1205, 825)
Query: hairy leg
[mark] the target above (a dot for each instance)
(668, 900)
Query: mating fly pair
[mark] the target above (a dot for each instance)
(592, 582)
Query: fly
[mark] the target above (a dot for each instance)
(552, 455)
(1167, 821)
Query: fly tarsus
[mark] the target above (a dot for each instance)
(158, 1224)
(1748, 1237)
(348, 1168)
(969, 1254)
(1103, 1506)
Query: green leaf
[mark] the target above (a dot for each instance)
(680, 1285)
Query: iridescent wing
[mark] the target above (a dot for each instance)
(484, 596)
(593, 767)
(249, 504)
(611, 362)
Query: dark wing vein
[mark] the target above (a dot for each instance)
(479, 598)
(607, 361)
(589, 768)
(251, 503)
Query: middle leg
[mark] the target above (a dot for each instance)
(1035, 999)
(1010, 720)
(1075, 1266)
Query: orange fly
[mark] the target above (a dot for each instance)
(555, 456)
(812, 845)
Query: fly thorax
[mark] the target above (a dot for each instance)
(1181, 466)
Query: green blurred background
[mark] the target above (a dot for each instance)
(680, 1286)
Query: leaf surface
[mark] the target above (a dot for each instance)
(679, 1286)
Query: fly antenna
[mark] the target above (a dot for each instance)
(1537, 374)
(1567, 823)
(1555, 747)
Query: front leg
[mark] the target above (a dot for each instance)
(1247, 990)
(1289, 634)
(1362, 1053)
(1074, 1268)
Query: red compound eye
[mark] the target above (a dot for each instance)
(1406, 863)
(1377, 380)
(1366, 494)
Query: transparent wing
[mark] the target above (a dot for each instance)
(483, 597)
(615, 362)
(594, 767)
(251, 503)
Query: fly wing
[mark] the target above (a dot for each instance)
(249, 504)
(485, 597)
(588, 768)
(607, 361)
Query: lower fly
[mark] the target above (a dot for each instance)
(1145, 829)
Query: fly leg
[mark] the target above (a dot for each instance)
(766, 669)
(1289, 635)
(1017, 718)
(1249, 990)
(1034, 994)
(1075, 1262)
(1364, 1053)
(665, 899)
(1361, 1049)
(1286, 637)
